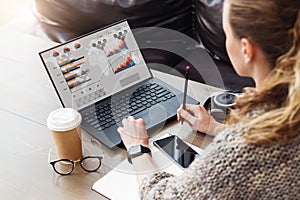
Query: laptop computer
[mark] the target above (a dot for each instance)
(104, 76)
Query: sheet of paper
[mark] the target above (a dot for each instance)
(121, 183)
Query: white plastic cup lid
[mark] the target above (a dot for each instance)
(63, 119)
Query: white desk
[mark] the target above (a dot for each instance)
(27, 97)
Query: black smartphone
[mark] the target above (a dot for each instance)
(177, 150)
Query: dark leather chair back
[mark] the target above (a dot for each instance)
(62, 20)
(66, 19)
(209, 30)
(198, 20)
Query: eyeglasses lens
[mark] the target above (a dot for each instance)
(91, 164)
(64, 167)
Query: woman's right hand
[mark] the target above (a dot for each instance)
(199, 119)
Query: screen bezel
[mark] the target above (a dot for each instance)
(85, 35)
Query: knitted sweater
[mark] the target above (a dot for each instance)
(231, 169)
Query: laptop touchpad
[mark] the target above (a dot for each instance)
(156, 116)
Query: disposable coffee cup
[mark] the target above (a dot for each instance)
(64, 123)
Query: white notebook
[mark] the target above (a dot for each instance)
(121, 183)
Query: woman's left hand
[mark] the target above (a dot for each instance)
(133, 132)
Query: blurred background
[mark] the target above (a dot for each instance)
(12, 9)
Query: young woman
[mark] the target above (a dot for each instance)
(256, 154)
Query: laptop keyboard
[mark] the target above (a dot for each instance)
(117, 109)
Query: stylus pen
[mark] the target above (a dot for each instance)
(187, 69)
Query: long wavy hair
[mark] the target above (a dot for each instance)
(274, 26)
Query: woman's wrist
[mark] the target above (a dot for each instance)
(214, 127)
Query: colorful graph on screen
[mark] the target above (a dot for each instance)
(116, 49)
(127, 64)
(72, 69)
(122, 46)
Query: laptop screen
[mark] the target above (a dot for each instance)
(95, 66)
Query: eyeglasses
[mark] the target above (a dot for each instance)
(65, 166)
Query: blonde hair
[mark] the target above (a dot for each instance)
(275, 27)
